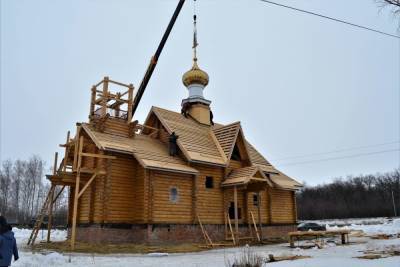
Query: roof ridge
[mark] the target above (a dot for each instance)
(227, 125)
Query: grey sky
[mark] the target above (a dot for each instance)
(298, 84)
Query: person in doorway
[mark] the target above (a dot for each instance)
(8, 244)
(173, 149)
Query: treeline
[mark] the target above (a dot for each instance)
(353, 197)
(23, 189)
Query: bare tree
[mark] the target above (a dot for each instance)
(393, 4)
(5, 184)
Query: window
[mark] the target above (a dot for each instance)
(255, 200)
(173, 195)
(209, 182)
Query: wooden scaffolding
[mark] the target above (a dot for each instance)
(71, 172)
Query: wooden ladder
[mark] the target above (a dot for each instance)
(41, 215)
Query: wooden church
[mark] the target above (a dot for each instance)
(178, 177)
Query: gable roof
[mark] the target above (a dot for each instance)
(243, 176)
(197, 141)
(226, 136)
(149, 152)
(285, 182)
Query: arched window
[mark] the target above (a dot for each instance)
(173, 195)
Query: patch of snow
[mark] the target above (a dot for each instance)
(329, 256)
(388, 227)
(22, 235)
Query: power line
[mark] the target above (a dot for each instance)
(337, 158)
(331, 18)
(337, 151)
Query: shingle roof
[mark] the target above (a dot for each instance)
(197, 141)
(149, 152)
(226, 136)
(243, 176)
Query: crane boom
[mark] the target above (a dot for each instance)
(154, 58)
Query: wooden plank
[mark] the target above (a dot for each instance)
(255, 226)
(65, 161)
(230, 228)
(87, 185)
(58, 194)
(206, 236)
(76, 198)
(104, 97)
(130, 97)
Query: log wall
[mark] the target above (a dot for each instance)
(163, 209)
(209, 201)
(282, 203)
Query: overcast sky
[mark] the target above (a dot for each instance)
(299, 84)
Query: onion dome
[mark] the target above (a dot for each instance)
(195, 75)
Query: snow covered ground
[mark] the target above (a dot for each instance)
(330, 255)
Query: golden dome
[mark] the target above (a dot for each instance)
(195, 76)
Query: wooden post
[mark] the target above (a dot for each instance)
(236, 210)
(343, 238)
(76, 198)
(78, 130)
(104, 97)
(117, 107)
(92, 101)
(130, 97)
(50, 219)
(259, 212)
(291, 239)
(66, 152)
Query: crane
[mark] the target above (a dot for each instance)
(155, 57)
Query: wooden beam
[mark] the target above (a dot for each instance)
(104, 97)
(255, 226)
(58, 194)
(130, 98)
(92, 101)
(101, 156)
(76, 150)
(259, 214)
(87, 185)
(230, 228)
(119, 83)
(66, 152)
(236, 210)
(76, 198)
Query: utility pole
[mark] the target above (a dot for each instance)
(394, 205)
